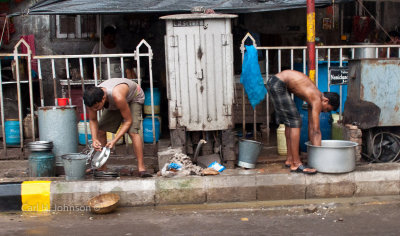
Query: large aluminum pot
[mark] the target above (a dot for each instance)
(333, 156)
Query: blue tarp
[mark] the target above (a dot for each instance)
(251, 78)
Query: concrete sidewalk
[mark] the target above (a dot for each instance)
(234, 186)
(269, 181)
(237, 185)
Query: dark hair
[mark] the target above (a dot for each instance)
(92, 95)
(109, 30)
(392, 34)
(334, 99)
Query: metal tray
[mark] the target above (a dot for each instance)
(105, 175)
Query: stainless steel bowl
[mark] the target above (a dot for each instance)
(333, 156)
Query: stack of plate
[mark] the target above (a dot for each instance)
(39, 146)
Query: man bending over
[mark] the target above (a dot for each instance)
(122, 100)
(280, 88)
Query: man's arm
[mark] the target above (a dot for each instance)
(94, 128)
(314, 131)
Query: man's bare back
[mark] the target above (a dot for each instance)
(300, 85)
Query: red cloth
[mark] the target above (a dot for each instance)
(361, 28)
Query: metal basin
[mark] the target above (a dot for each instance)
(333, 156)
(104, 203)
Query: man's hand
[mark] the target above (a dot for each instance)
(111, 144)
(97, 145)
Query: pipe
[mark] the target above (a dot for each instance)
(196, 153)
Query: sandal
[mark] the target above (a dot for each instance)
(302, 169)
(144, 174)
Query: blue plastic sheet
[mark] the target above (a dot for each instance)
(251, 78)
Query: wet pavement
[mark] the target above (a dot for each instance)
(346, 216)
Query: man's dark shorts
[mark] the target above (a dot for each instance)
(285, 108)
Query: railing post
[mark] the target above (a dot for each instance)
(311, 38)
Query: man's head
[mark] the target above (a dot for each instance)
(109, 33)
(394, 37)
(94, 98)
(330, 101)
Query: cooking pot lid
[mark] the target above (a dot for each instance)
(100, 158)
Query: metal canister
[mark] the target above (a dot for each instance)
(58, 124)
(41, 159)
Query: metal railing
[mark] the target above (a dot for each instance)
(342, 54)
(54, 76)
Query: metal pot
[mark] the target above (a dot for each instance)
(368, 52)
(333, 156)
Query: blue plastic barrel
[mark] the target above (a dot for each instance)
(81, 132)
(148, 130)
(156, 100)
(325, 123)
(13, 136)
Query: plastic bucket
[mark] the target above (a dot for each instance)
(13, 136)
(62, 101)
(74, 166)
(148, 129)
(248, 153)
(147, 101)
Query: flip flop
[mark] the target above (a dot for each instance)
(144, 174)
(287, 166)
(301, 169)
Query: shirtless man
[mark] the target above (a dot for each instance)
(280, 88)
(122, 100)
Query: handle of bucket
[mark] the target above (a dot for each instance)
(88, 151)
(262, 144)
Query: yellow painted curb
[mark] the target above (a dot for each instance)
(35, 196)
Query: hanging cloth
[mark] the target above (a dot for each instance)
(251, 78)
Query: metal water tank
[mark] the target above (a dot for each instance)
(58, 124)
(200, 80)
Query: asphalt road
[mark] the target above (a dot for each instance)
(353, 216)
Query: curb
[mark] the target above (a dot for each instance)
(25, 196)
(239, 186)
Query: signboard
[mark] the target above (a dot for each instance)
(187, 23)
(338, 74)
